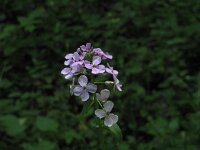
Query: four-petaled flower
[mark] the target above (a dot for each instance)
(104, 95)
(95, 65)
(110, 118)
(84, 87)
(69, 72)
(85, 48)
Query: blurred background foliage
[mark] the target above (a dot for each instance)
(155, 45)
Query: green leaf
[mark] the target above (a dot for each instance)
(115, 129)
(46, 124)
(86, 109)
(4, 83)
(12, 125)
(41, 145)
(71, 135)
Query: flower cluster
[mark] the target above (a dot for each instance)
(82, 66)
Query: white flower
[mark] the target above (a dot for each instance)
(110, 118)
(104, 95)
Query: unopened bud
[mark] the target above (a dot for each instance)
(109, 82)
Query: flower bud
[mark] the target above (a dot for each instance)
(109, 82)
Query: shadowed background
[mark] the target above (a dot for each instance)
(155, 45)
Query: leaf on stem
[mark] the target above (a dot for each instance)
(115, 129)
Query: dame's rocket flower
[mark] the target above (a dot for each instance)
(84, 88)
(117, 83)
(95, 65)
(101, 53)
(104, 95)
(111, 70)
(78, 59)
(69, 59)
(69, 72)
(85, 48)
(109, 118)
(74, 59)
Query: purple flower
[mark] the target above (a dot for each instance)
(111, 70)
(116, 83)
(84, 87)
(78, 59)
(102, 54)
(110, 118)
(104, 95)
(87, 47)
(67, 72)
(69, 59)
(71, 71)
(94, 66)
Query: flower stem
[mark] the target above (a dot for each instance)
(101, 135)
(99, 82)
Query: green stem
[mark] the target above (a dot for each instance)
(2, 72)
(101, 137)
(99, 82)
(100, 103)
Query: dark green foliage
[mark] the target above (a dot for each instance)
(155, 45)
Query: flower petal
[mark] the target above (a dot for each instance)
(78, 90)
(117, 84)
(76, 68)
(87, 64)
(108, 70)
(114, 118)
(68, 62)
(92, 88)
(101, 68)
(65, 71)
(96, 60)
(83, 48)
(84, 95)
(88, 46)
(68, 76)
(105, 93)
(100, 113)
(108, 121)
(76, 56)
(69, 56)
(108, 106)
(98, 96)
(95, 70)
(83, 80)
(107, 55)
(115, 72)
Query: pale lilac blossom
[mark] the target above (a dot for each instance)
(103, 95)
(117, 83)
(86, 48)
(69, 59)
(109, 118)
(78, 59)
(102, 54)
(95, 65)
(110, 70)
(69, 72)
(84, 88)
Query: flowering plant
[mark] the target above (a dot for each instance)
(83, 67)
